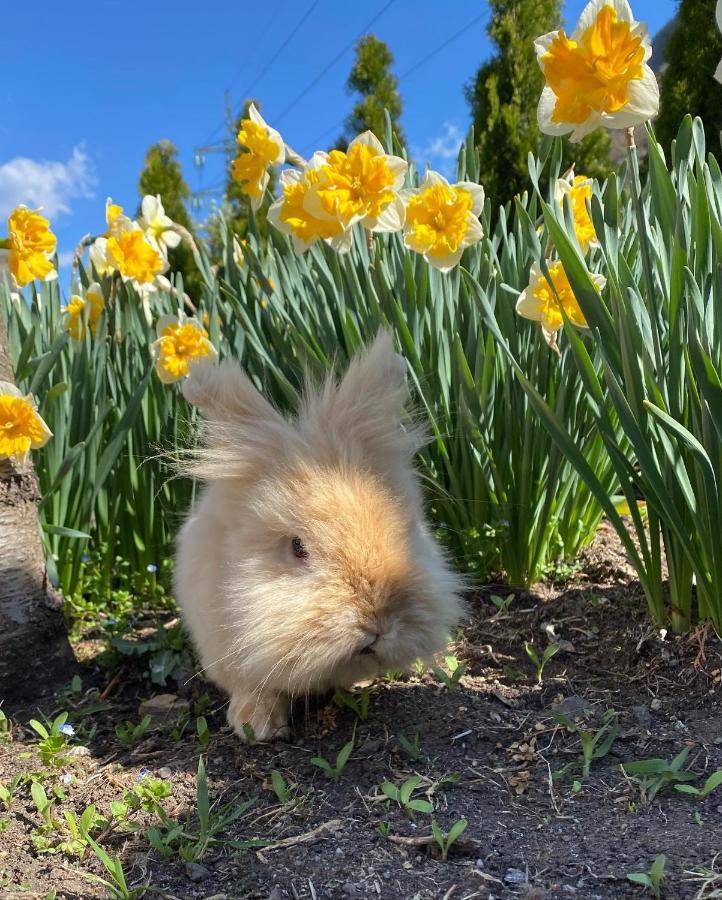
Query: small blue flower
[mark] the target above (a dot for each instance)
(110, 622)
(151, 567)
(67, 730)
(67, 778)
(142, 774)
(85, 557)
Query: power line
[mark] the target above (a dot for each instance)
(410, 71)
(312, 84)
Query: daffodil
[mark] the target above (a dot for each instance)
(291, 216)
(599, 75)
(84, 312)
(158, 227)
(238, 257)
(182, 343)
(115, 218)
(543, 300)
(578, 188)
(261, 148)
(442, 219)
(21, 428)
(137, 260)
(26, 252)
(360, 185)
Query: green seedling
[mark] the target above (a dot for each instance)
(118, 885)
(249, 734)
(412, 748)
(384, 829)
(359, 703)
(5, 728)
(191, 840)
(130, 734)
(540, 662)
(502, 605)
(652, 879)
(450, 679)
(336, 770)
(711, 784)
(54, 742)
(654, 775)
(403, 796)
(204, 735)
(285, 791)
(446, 840)
(595, 743)
(7, 792)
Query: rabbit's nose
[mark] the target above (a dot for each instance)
(370, 640)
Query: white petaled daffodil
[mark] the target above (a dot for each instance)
(158, 227)
(544, 300)
(262, 147)
(718, 70)
(21, 427)
(182, 343)
(290, 215)
(442, 219)
(361, 184)
(578, 188)
(599, 75)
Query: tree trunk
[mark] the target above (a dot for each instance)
(34, 651)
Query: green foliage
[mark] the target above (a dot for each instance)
(358, 701)
(540, 661)
(335, 770)
(403, 795)
(595, 742)
(412, 747)
(654, 775)
(711, 784)
(503, 97)
(450, 679)
(162, 175)
(653, 878)
(693, 52)
(371, 77)
(653, 374)
(446, 840)
(130, 734)
(53, 740)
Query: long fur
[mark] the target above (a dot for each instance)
(268, 625)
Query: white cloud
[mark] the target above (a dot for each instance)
(442, 149)
(47, 184)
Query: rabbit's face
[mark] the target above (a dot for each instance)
(341, 577)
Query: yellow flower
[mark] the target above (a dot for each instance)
(261, 148)
(579, 189)
(21, 428)
(238, 257)
(115, 219)
(543, 301)
(442, 219)
(182, 343)
(29, 246)
(158, 227)
(290, 215)
(360, 185)
(599, 75)
(85, 312)
(134, 257)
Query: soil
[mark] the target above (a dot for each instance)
(530, 834)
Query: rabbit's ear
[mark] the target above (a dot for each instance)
(364, 411)
(225, 393)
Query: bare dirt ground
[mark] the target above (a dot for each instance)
(490, 751)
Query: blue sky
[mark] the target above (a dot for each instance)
(100, 81)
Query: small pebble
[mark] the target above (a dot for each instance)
(197, 872)
(656, 704)
(164, 772)
(515, 876)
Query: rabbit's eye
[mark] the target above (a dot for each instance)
(299, 548)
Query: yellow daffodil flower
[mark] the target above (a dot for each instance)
(21, 428)
(261, 148)
(543, 302)
(599, 75)
(579, 189)
(360, 185)
(158, 227)
(442, 219)
(115, 218)
(85, 312)
(26, 252)
(131, 253)
(238, 257)
(290, 215)
(182, 343)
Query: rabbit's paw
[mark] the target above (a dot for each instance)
(263, 718)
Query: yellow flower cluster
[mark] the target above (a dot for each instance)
(26, 253)
(364, 185)
(261, 148)
(182, 343)
(21, 428)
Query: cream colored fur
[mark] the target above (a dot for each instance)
(270, 626)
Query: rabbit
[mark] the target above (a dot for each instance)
(307, 564)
